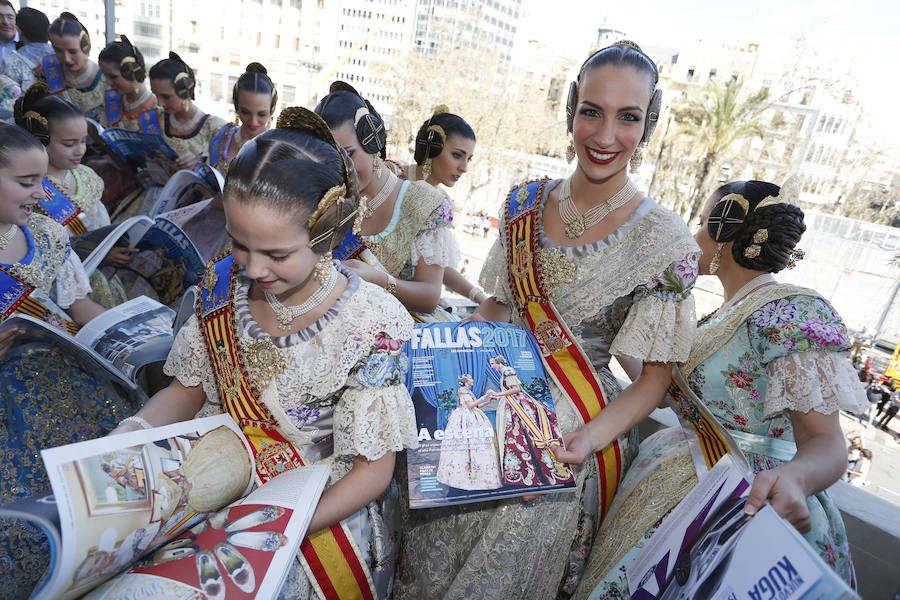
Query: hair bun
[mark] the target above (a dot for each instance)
(629, 43)
(342, 86)
(440, 109)
(124, 39)
(69, 17)
(256, 67)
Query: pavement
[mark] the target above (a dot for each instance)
(884, 475)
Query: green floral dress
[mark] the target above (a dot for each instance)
(789, 355)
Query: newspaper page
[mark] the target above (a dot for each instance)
(486, 419)
(131, 335)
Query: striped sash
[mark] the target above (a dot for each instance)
(61, 209)
(17, 296)
(330, 557)
(566, 362)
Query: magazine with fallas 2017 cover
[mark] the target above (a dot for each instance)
(486, 419)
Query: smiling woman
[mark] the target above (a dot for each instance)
(620, 287)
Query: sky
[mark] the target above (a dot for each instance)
(859, 39)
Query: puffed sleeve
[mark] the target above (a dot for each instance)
(94, 210)
(493, 275)
(435, 243)
(804, 344)
(375, 413)
(660, 325)
(188, 360)
(71, 283)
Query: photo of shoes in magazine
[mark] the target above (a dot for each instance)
(486, 419)
(169, 512)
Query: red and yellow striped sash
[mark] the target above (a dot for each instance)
(562, 355)
(710, 436)
(331, 559)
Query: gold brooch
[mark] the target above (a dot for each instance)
(210, 278)
(555, 267)
(264, 362)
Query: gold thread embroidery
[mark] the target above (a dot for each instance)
(556, 268)
(264, 362)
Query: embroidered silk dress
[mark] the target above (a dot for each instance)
(468, 451)
(48, 397)
(130, 112)
(9, 93)
(630, 295)
(789, 354)
(224, 146)
(19, 66)
(341, 394)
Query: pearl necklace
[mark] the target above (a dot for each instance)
(7, 237)
(287, 314)
(383, 194)
(751, 285)
(577, 224)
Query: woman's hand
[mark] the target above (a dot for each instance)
(578, 446)
(786, 495)
(119, 256)
(187, 161)
(365, 271)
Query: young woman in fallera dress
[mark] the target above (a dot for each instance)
(620, 286)
(128, 103)
(321, 347)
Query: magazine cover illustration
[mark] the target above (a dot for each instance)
(486, 420)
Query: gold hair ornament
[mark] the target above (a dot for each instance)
(761, 235)
(788, 194)
(32, 117)
(796, 254)
(440, 109)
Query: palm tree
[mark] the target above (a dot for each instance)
(713, 121)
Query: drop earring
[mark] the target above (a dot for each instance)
(570, 151)
(323, 269)
(634, 163)
(714, 263)
(426, 169)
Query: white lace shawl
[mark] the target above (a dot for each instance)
(820, 380)
(367, 421)
(71, 283)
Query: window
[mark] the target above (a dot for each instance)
(690, 74)
(215, 86)
(194, 27)
(288, 93)
(278, 40)
(232, 81)
(147, 29)
(234, 59)
(712, 73)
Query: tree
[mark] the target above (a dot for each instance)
(712, 122)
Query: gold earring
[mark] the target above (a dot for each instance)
(570, 152)
(714, 263)
(426, 169)
(323, 268)
(376, 165)
(634, 163)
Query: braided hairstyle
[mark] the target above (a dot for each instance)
(68, 25)
(178, 73)
(736, 218)
(343, 104)
(39, 108)
(255, 79)
(291, 169)
(127, 58)
(430, 142)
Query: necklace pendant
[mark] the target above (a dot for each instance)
(576, 228)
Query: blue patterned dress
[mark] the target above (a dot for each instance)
(789, 355)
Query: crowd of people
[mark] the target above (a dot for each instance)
(327, 253)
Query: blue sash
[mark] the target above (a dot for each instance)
(12, 293)
(216, 147)
(150, 122)
(59, 208)
(350, 247)
(53, 73)
(113, 107)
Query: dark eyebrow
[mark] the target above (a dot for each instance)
(460, 150)
(625, 109)
(234, 242)
(28, 176)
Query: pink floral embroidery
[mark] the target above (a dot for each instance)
(385, 342)
(777, 432)
(740, 420)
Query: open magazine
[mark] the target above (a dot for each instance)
(169, 512)
(121, 340)
(706, 547)
(487, 426)
(168, 261)
(187, 187)
(146, 154)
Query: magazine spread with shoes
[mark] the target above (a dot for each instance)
(486, 420)
(169, 512)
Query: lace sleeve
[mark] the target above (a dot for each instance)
(819, 380)
(657, 330)
(188, 360)
(71, 282)
(372, 421)
(493, 274)
(436, 247)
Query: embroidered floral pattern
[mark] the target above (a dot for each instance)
(303, 415)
